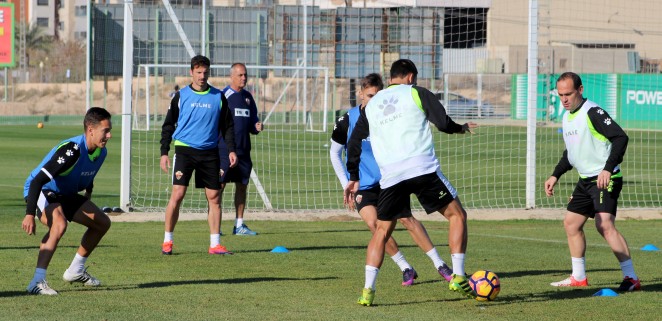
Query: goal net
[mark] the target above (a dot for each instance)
(292, 122)
(306, 61)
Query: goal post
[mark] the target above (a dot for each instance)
(281, 107)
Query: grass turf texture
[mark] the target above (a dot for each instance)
(322, 275)
(320, 279)
(488, 168)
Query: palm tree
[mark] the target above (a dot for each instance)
(35, 41)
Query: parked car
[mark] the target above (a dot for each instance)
(463, 107)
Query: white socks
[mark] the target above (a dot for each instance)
(400, 260)
(579, 268)
(238, 222)
(167, 237)
(370, 277)
(434, 256)
(77, 265)
(214, 240)
(628, 269)
(458, 263)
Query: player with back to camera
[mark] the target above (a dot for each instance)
(366, 197)
(396, 120)
(246, 123)
(51, 193)
(595, 146)
(197, 116)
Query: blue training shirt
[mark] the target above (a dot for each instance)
(369, 174)
(199, 114)
(77, 178)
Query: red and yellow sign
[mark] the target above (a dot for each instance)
(6, 35)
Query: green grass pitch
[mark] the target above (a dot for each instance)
(320, 279)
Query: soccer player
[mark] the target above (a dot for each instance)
(595, 145)
(396, 120)
(197, 116)
(51, 192)
(244, 111)
(366, 197)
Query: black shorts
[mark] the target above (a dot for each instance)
(204, 162)
(70, 203)
(433, 191)
(587, 199)
(238, 174)
(366, 197)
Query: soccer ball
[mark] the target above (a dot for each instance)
(486, 285)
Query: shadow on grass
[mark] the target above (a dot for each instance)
(216, 281)
(363, 228)
(8, 294)
(419, 302)
(525, 273)
(36, 247)
(322, 248)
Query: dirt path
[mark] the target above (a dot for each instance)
(508, 214)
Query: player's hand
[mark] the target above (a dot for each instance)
(348, 194)
(165, 163)
(549, 185)
(467, 128)
(603, 179)
(258, 126)
(233, 159)
(28, 224)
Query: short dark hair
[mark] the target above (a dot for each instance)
(200, 60)
(372, 80)
(576, 80)
(94, 116)
(402, 68)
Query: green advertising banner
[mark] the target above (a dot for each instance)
(640, 101)
(634, 100)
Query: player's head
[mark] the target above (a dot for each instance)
(200, 72)
(404, 71)
(97, 127)
(570, 90)
(238, 76)
(370, 85)
(200, 61)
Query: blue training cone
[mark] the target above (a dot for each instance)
(280, 249)
(650, 247)
(605, 292)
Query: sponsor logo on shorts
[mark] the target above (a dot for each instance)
(359, 198)
(221, 172)
(178, 175)
(442, 194)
